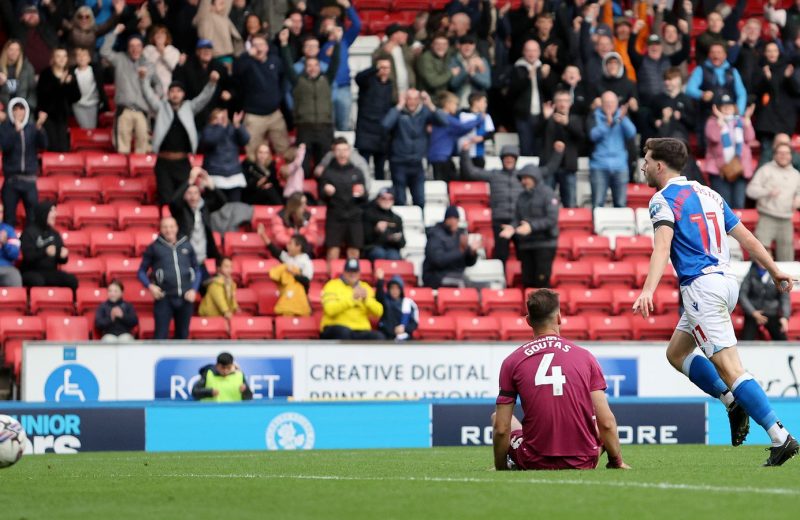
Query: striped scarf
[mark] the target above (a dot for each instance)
(732, 144)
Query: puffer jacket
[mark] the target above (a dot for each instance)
(340, 308)
(539, 208)
(19, 148)
(172, 267)
(221, 144)
(35, 240)
(443, 255)
(220, 298)
(374, 101)
(293, 299)
(410, 132)
(392, 237)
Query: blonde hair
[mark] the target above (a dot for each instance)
(4, 58)
(84, 9)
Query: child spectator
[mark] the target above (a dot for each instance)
(443, 138)
(478, 103)
(220, 298)
(292, 172)
(295, 219)
(293, 275)
(115, 318)
(221, 142)
(400, 314)
(93, 98)
(262, 179)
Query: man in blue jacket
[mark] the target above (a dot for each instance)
(9, 253)
(609, 129)
(342, 96)
(170, 271)
(408, 122)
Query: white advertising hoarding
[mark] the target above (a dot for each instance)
(322, 370)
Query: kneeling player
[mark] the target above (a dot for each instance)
(562, 390)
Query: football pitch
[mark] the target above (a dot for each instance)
(670, 482)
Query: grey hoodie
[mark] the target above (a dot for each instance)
(538, 207)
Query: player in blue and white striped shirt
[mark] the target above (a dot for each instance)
(690, 221)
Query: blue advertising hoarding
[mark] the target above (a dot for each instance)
(719, 432)
(622, 376)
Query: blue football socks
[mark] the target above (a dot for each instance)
(753, 399)
(704, 375)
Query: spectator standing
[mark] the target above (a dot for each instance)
(213, 24)
(383, 228)
(9, 253)
(579, 90)
(292, 173)
(169, 270)
(448, 253)
(191, 206)
(293, 275)
(260, 79)
(17, 77)
(220, 297)
(43, 251)
(609, 130)
(764, 305)
(562, 124)
(56, 91)
(38, 34)
(295, 219)
(400, 314)
(195, 73)
(93, 99)
(729, 162)
(443, 139)
(474, 73)
(115, 318)
(434, 71)
(83, 30)
(342, 95)
(396, 46)
(175, 134)
(20, 140)
(536, 223)
(776, 89)
(221, 142)
(766, 153)
(478, 106)
(342, 187)
(673, 112)
(711, 36)
(374, 101)
(222, 383)
(313, 105)
(787, 19)
(615, 80)
(776, 189)
(262, 179)
(133, 110)
(348, 303)
(162, 55)
(530, 90)
(408, 123)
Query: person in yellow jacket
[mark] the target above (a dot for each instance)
(220, 298)
(347, 306)
(293, 275)
(222, 383)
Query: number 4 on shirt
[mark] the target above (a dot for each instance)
(556, 378)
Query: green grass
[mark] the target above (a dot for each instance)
(670, 482)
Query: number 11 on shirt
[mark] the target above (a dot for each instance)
(702, 226)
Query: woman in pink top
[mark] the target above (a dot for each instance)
(292, 172)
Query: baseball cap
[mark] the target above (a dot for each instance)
(654, 39)
(724, 99)
(351, 266)
(385, 191)
(203, 43)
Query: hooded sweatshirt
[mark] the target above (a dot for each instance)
(401, 311)
(538, 207)
(19, 148)
(36, 238)
(618, 83)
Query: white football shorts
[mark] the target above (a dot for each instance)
(707, 305)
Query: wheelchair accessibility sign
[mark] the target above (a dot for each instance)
(72, 383)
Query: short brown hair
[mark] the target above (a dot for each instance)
(671, 152)
(673, 72)
(542, 306)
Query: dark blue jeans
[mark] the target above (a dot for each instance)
(528, 141)
(408, 175)
(168, 308)
(383, 253)
(601, 180)
(378, 161)
(567, 190)
(732, 192)
(15, 189)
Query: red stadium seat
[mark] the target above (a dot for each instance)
(77, 242)
(101, 164)
(301, 328)
(122, 189)
(111, 242)
(89, 271)
(320, 270)
(208, 328)
(513, 273)
(96, 139)
(47, 187)
(364, 266)
(411, 5)
(267, 294)
(256, 269)
(56, 164)
(141, 164)
(248, 301)
(13, 331)
(667, 300)
(639, 195)
(669, 278)
(564, 247)
(251, 328)
(590, 301)
(102, 216)
(315, 296)
(401, 268)
(245, 244)
(749, 217)
(147, 327)
(123, 269)
(423, 297)
(436, 328)
(469, 193)
(478, 219)
(638, 247)
(67, 328)
(502, 301)
(264, 215)
(477, 328)
(592, 246)
(514, 329)
(623, 300)
(450, 300)
(82, 189)
(142, 240)
(605, 328)
(654, 328)
(575, 327)
(575, 219)
(87, 299)
(571, 273)
(13, 301)
(318, 213)
(139, 297)
(135, 217)
(51, 301)
(613, 274)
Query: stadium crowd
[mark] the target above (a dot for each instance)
(247, 106)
